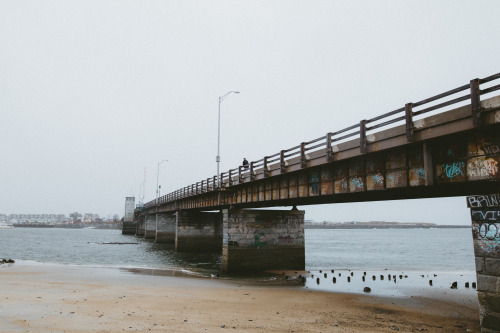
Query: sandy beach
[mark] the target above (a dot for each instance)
(51, 298)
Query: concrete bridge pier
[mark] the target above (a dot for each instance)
(165, 230)
(150, 226)
(259, 240)
(141, 225)
(485, 215)
(198, 231)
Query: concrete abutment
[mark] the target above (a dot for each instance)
(259, 240)
(485, 216)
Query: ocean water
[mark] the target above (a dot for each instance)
(395, 249)
(393, 261)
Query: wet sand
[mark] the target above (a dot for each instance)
(46, 298)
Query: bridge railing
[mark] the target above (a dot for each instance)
(406, 115)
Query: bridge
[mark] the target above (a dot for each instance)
(445, 145)
(441, 155)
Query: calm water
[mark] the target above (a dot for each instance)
(443, 255)
(372, 249)
(394, 249)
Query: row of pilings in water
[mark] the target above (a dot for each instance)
(349, 275)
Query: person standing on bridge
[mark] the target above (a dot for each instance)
(245, 163)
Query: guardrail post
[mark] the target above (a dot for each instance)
(266, 172)
(240, 178)
(230, 178)
(214, 183)
(303, 155)
(362, 136)
(251, 172)
(329, 153)
(409, 121)
(475, 103)
(282, 162)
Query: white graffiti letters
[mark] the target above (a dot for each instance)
(476, 201)
(487, 215)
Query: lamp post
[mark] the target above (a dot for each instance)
(157, 193)
(217, 158)
(158, 179)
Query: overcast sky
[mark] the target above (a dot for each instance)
(94, 92)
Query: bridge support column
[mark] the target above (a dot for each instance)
(259, 240)
(485, 215)
(198, 231)
(150, 227)
(129, 228)
(141, 225)
(165, 231)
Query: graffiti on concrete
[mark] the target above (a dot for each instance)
(485, 215)
(486, 237)
(453, 149)
(486, 231)
(420, 173)
(285, 239)
(491, 200)
(341, 186)
(417, 176)
(484, 146)
(485, 222)
(314, 183)
(260, 240)
(356, 184)
(378, 179)
(454, 169)
(375, 181)
(482, 167)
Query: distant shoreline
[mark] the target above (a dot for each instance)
(378, 225)
(69, 226)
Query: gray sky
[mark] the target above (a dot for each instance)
(92, 92)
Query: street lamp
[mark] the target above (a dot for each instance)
(217, 158)
(157, 193)
(158, 178)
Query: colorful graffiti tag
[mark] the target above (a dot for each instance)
(285, 239)
(260, 240)
(486, 231)
(486, 237)
(454, 169)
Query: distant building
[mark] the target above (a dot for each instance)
(90, 217)
(37, 218)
